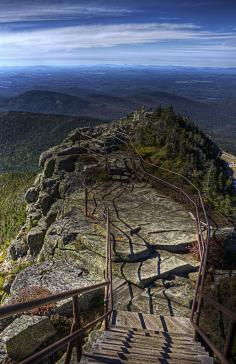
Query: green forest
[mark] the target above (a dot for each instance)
(12, 206)
(174, 142)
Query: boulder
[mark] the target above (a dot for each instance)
(45, 201)
(66, 163)
(49, 168)
(35, 239)
(50, 186)
(18, 249)
(50, 218)
(31, 195)
(25, 335)
(47, 155)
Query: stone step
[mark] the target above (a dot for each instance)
(163, 265)
(137, 320)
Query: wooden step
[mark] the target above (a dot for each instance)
(139, 338)
(154, 350)
(150, 334)
(149, 357)
(99, 359)
(151, 322)
(151, 341)
(151, 345)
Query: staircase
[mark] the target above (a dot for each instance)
(143, 338)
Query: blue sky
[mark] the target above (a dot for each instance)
(157, 32)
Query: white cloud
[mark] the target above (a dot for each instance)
(72, 43)
(96, 36)
(56, 12)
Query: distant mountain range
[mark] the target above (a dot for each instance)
(108, 107)
(33, 121)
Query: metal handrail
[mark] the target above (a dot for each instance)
(16, 308)
(76, 330)
(199, 296)
(203, 252)
(74, 338)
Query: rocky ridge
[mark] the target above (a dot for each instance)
(63, 249)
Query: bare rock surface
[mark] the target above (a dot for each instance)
(151, 233)
(24, 336)
(57, 276)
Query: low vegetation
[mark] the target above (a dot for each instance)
(12, 210)
(174, 142)
(12, 205)
(32, 293)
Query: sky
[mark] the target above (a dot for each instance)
(192, 33)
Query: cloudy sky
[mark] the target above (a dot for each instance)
(156, 32)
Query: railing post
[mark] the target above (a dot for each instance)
(76, 326)
(77, 320)
(110, 270)
(229, 340)
(106, 294)
(86, 201)
(107, 165)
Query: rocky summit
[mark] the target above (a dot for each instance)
(60, 248)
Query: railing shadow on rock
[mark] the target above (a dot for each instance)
(141, 168)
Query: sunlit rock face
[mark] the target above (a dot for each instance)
(151, 233)
(63, 249)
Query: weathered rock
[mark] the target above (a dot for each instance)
(7, 284)
(18, 249)
(47, 155)
(163, 266)
(57, 276)
(73, 136)
(45, 201)
(25, 335)
(71, 151)
(66, 163)
(51, 217)
(35, 239)
(193, 277)
(31, 195)
(50, 186)
(49, 168)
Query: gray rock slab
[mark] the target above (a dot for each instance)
(25, 335)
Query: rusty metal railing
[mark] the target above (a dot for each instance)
(203, 245)
(74, 339)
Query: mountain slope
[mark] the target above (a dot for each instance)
(24, 136)
(45, 102)
(109, 107)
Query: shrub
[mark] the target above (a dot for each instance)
(33, 293)
(216, 252)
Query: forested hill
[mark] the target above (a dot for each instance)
(23, 136)
(176, 143)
